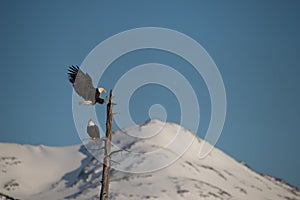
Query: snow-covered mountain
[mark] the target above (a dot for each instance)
(40, 172)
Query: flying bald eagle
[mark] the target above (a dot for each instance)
(93, 130)
(83, 85)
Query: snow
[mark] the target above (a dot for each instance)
(144, 172)
(26, 170)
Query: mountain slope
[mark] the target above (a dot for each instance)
(39, 172)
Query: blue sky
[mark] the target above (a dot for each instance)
(255, 45)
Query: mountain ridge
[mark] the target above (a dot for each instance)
(73, 173)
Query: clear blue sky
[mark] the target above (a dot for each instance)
(255, 45)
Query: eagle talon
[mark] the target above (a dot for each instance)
(105, 99)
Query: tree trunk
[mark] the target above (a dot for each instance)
(107, 151)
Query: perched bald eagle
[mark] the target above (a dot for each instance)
(83, 85)
(93, 130)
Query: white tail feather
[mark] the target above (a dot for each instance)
(85, 103)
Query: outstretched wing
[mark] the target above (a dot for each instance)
(82, 83)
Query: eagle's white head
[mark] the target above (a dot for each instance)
(101, 90)
(91, 123)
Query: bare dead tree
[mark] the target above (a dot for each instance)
(107, 151)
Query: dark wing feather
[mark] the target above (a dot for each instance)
(72, 72)
(93, 131)
(82, 83)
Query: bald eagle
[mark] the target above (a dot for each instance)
(83, 85)
(93, 130)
